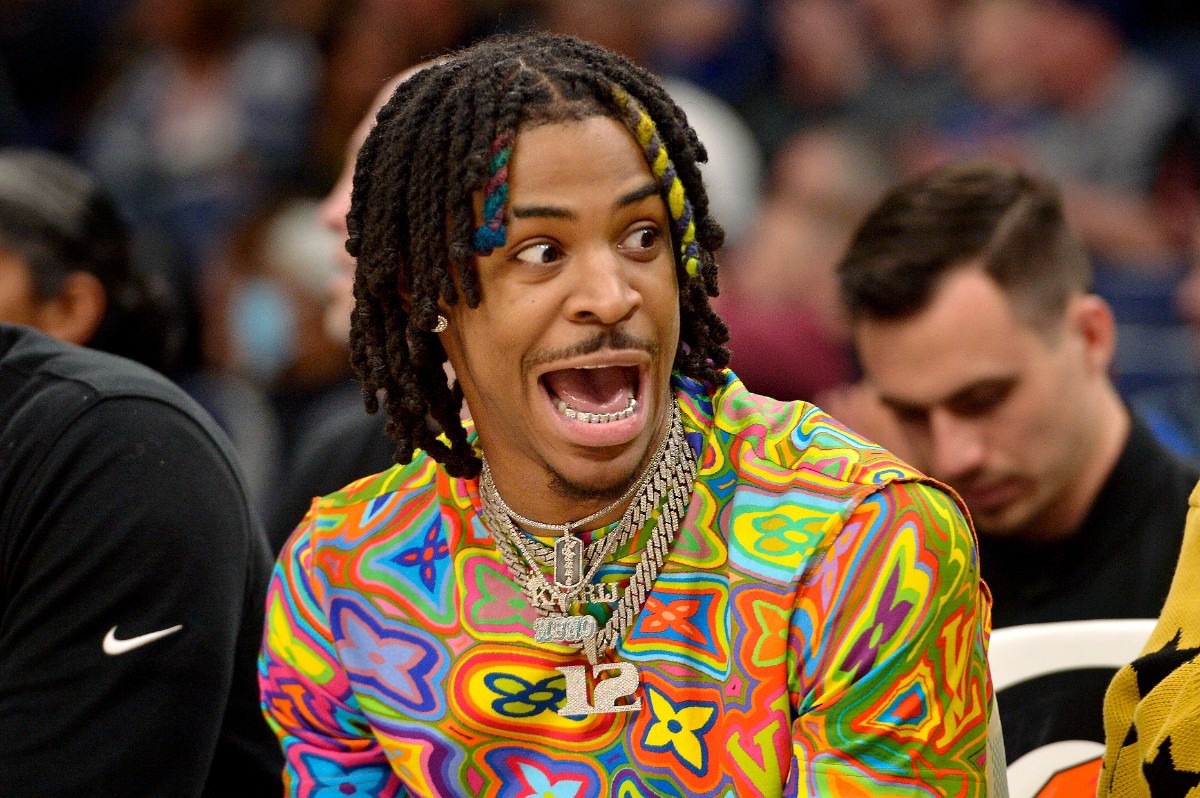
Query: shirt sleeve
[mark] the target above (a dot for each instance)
(891, 687)
(129, 593)
(327, 741)
(1152, 707)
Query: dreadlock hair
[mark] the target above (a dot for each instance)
(447, 134)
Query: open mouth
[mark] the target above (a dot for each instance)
(594, 394)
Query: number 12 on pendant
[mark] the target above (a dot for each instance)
(605, 694)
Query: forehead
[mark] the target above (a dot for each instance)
(570, 156)
(970, 332)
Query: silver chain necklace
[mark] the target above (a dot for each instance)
(667, 481)
(574, 564)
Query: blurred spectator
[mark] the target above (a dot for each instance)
(265, 324)
(913, 74)
(779, 295)
(822, 67)
(370, 41)
(972, 314)
(882, 68)
(65, 264)
(205, 119)
(1056, 90)
(268, 302)
(991, 40)
(1113, 114)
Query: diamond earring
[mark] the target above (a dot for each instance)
(442, 324)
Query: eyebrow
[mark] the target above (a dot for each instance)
(958, 395)
(553, 212)
(638, 194)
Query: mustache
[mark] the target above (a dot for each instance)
(605, 339)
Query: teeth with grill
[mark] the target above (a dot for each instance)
(595, 418)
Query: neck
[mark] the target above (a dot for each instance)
(575, 509)
(1070, 509)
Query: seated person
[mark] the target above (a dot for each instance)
(132, 579)
(1152, 709)
(626, 575)
(972, 312)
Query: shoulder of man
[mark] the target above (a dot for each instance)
(793, 464)
(797, 438)
(46, 385)
(407, 479)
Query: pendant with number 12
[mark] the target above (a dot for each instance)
(605, 694)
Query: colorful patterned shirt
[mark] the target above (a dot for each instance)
(819, 628)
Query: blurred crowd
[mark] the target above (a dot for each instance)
(217, 126)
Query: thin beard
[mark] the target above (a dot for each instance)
(573, 490)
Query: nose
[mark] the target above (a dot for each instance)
(601, 291)
(336, 205)
(1187, 296)
(957, 446)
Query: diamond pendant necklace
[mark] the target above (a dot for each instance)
(574, 564)
(666, 486)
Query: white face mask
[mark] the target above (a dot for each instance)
(262, 329)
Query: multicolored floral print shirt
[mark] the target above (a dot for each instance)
(818, 629)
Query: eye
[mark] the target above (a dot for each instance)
(910, 416)
(644, 239)
(983, 399)
(540, 254)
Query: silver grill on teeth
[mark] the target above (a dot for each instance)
(595, 418)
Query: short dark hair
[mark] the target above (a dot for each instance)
(58, 220)
(1008, 222)
(445, 135)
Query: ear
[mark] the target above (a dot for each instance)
(1092, 320)
(75, 313)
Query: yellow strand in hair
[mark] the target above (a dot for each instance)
(643, 127)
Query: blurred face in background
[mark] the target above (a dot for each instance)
(333, 216)
(266, 315)
(18, 302)
(992, 44)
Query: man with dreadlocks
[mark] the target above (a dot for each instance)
(627, 575)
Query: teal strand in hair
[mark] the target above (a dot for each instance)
(680, 208)
(492, 233)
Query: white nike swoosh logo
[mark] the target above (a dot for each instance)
(113, 646)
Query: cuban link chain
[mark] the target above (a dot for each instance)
(669, 482)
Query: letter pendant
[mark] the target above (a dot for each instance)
(568, 562)
(605, 694)
(555, 628)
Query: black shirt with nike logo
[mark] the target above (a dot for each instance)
(132, 577)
